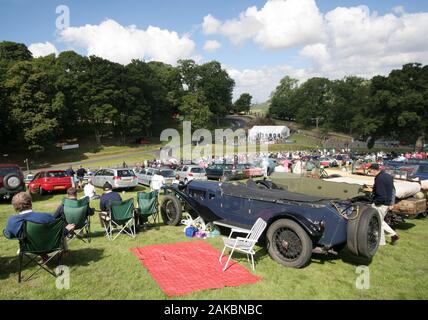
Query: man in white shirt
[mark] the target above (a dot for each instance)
(89, 190)
(157, 182)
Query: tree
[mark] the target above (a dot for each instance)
(399, 103)
(195, 109)
(188, 70)
(314, 99)
(282, 104)
(14, 52)
(36, 107)
(217, 87)
(243, 104)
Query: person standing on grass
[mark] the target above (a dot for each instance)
(383, 196)
(81, 175)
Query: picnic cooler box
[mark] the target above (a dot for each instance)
(411, 207)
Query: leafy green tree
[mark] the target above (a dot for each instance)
(399, 103)
(217, 87)
(243, 104)
(195, 109)
(36, 107)
(14, 52)
(314, 98)
(189, 74)
(282, 104)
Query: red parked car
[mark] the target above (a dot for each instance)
(46, 181)
(251, 170)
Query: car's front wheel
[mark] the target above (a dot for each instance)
(171, 210)
(289, 244)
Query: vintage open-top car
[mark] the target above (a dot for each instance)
(296, 223)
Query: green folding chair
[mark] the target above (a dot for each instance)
(148, 206)
(77, 212)
(41, 239)
(121, 217)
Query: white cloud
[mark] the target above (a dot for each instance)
(342, 42)
(365, 44)
(212, 45)
(260, 83)
(121, 44)
(41, 49)
(279, 24)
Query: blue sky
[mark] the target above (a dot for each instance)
(259, 60)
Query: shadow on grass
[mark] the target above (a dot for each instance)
(77, 258)
(404, 226)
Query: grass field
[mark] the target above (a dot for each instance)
(108, 270)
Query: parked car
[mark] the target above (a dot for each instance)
(409, 172)
(119, 178)
(145, 175)
(11, 180)
(226, 172)
(191, 172)
(363, 167)
(48, 181)
(328, 162)
(252, 170)
(28, 178)
(296, 223)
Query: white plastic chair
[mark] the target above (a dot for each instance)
(246, 244)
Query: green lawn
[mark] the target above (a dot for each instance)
(108, 270)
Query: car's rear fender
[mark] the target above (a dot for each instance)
(314, 230)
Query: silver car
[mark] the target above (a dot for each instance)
(145, 175)
(191, 172)
(118, 178)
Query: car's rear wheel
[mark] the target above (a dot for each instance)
(364, 233)
(289, 244)
(171, 210)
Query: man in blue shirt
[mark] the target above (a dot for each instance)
(383, 196)
(22, 203)
(105, 202)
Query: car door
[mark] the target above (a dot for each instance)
(140, 175)
(96, 180)
(109, 176)
(35, 183)
(183, 173)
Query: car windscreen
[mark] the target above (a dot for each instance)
(56, 174)
(6, 171)
(125, 173)
(197, 170)
(167, 173)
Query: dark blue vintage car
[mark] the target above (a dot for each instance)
(296, 223)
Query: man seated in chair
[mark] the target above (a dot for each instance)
(105, 202)
(23, 204)
(71, 195)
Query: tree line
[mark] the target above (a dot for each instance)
(46, 99)
(393, 106)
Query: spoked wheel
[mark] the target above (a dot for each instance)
(289, 244)
(171, 210)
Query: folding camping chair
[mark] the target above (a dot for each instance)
(77, 212)
(41, 239)
(245, 245)
(121, 217)
(148, 206)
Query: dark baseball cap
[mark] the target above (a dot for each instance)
(107, 186)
